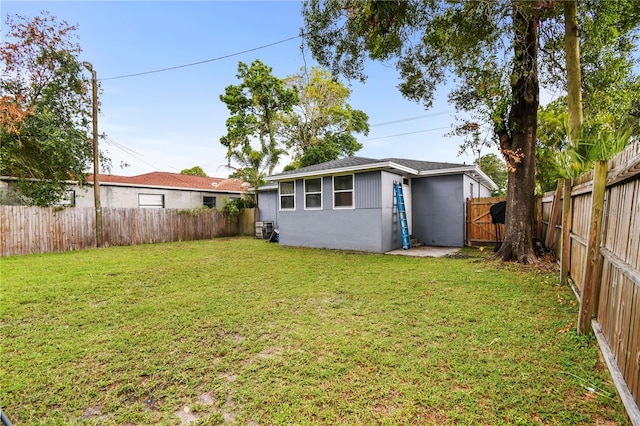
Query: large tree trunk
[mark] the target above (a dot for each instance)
(518, 138)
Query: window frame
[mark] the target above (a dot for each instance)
(304, 185)
(341, 191)
(151, 206)
(207, 205)
(281, 195)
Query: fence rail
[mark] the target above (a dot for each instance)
(27, 230)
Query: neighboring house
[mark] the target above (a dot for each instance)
(350, 204)
(154, 190)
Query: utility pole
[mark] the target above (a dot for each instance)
(96, 164)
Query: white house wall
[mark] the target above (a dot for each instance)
(467, 181)
(127, 197)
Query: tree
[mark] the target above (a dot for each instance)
(603, 77)
(44, 110)
(496, 169)
(477, 42)
(321, 127)
(256, 106)
(194, 171)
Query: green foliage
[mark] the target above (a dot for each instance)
(194, 171)
(561, 157)
(496, 169)
(197, 211)
(256, 106)
(233, 207)
(321, 127)
(132, 335)
(45, 109)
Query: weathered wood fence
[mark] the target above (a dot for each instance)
(480, 229)
(602, 261)
(26, 230)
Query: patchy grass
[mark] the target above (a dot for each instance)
(241, 331)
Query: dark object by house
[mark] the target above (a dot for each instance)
(275, 236)
(497, 212)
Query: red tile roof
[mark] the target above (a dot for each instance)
(176, 180)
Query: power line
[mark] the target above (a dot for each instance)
(202, 62)
(402, 120)
(408, 133)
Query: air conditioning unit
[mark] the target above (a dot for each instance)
(264, 230)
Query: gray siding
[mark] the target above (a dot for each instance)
(347, 229)
(367, 189)
(438, 210)
(268, 206)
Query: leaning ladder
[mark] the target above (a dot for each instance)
(402, 216)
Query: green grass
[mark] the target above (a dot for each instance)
(241, 331)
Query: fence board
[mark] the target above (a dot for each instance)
(42, 230)
(617, 317)
(480, 229)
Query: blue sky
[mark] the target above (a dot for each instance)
(172, 120)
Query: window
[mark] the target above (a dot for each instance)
(343, 191)
(209, 202)
(288, 195)
(313, 194)
(151, 201)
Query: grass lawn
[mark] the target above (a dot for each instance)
(242, 331)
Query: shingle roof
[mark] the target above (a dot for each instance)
(175, 180)
(349, 162)
(422, 166)
(330, 165)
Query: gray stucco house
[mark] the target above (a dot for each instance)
(349, 203)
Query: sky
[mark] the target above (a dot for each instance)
(173, 120)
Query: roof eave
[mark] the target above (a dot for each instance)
(363, 167)
(486, 180)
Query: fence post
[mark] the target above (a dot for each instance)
(565, 260)
(593, 271)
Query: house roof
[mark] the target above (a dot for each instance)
(174, 181)
(406, 167)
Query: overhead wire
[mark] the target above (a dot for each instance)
(202, 62)
(408, 133)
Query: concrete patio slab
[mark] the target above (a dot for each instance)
(425, 251)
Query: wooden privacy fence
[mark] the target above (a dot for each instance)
(600, 256)
(480, 230)
(41, 230)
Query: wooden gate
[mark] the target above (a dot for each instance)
(480, 231)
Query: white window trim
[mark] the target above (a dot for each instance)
(352, 190)
(280, 195)
(151, 206)
(311, 193)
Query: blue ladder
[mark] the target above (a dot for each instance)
(402, 216)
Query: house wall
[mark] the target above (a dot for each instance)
(466, 186)
(438, 210)
(268, 206)
(391, 233)
(359, 228)
(127, 197)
